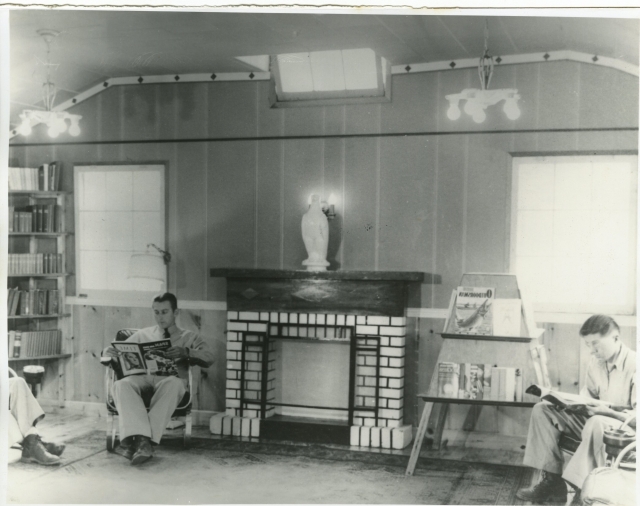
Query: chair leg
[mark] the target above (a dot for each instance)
(187, 430)
(112, 428)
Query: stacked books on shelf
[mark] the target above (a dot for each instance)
(35, 218)
(35, 263)
(34, 344)
(479, 381)
(43, 178)
(32, 302)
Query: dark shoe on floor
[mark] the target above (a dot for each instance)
(126, 448)
(551, 488)
(54, 448)
(143, 452)
(34, 451)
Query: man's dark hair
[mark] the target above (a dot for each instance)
(598, 324)
(168, 297)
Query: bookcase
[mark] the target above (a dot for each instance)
(36, 274)
(521, 351)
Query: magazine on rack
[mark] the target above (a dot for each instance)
(473, 314)
(563, 400)
(145, 358)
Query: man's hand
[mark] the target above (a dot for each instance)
(600, 410)
(110, 351)
(177, 353)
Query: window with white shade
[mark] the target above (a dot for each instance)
(119, 210)
(573, 232)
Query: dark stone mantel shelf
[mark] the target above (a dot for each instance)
(348, 292)
(403, 276)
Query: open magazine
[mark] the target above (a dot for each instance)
(145, 358)
(563, 400)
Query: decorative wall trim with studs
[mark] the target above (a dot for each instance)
(513, 59)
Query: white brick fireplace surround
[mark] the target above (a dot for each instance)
(354, 313)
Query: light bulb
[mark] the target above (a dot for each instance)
(479, 115)
(453, 113)
(53, 131)
(25, 127)
(61, 125)
(74, 129)
(470, 107)
(511, 109)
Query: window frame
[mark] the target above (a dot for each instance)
(117, 295)
(578, 308)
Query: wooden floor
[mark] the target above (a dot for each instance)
(62, 425)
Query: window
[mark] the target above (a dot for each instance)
(119, 209)
(573, 235)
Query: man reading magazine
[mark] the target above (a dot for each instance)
(138, 429)
(610, 378)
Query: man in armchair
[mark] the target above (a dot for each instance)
(139, 428)
(610, 377)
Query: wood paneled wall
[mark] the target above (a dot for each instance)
(435, 202)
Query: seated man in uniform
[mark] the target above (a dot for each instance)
(610, 377)
(137, 427)
(24, 413)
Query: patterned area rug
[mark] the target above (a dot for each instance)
(231, 471)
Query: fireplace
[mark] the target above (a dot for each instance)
(284, 328)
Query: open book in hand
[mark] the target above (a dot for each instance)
(573, 403)
(145, 358)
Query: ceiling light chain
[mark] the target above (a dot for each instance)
(56, 121)
(478, 100)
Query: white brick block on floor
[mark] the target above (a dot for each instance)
(255, 427)
(375, 437)
(245, 429)
(385, 437)
(215, 423)
(355, 435)
(236, 426)
(365, 436)
(401, 437)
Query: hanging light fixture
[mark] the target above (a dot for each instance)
(56, 121)
(478, 100)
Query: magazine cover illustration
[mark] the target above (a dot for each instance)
(473, 311)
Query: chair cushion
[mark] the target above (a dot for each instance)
(609, 486)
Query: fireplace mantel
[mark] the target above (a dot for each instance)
(348, 292)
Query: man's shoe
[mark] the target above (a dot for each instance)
(551, 488)
(126, 448)
(54, 448)
(34, 451)
(143, 452)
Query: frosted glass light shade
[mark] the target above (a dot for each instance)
(147, 265)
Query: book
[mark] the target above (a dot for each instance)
(448, 379)
(471, 381)
(145, 358)
(563, 400)
(473, 314)
(518, 385)
(486, 382)
(17, 344)
(507, 317)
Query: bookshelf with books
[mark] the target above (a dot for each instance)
(36, 274)
(489, 354)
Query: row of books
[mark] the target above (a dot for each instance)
(34, 344)
(479, 381)
(478, 312)
(43, 178)
(36, 218)
(35, 263)
(32, 302)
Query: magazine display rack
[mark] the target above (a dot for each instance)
(38, 264)
(521, 351)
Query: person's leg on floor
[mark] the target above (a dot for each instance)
(591, 452)
(23, 406)
(169, 391)
(542, 451)
(132, 413)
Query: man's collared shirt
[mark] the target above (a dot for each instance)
(618, 385)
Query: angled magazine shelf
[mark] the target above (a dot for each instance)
(469, 343)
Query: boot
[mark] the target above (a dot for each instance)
(34, 451)
(143, 452)
(54, 448)
(551, 488)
